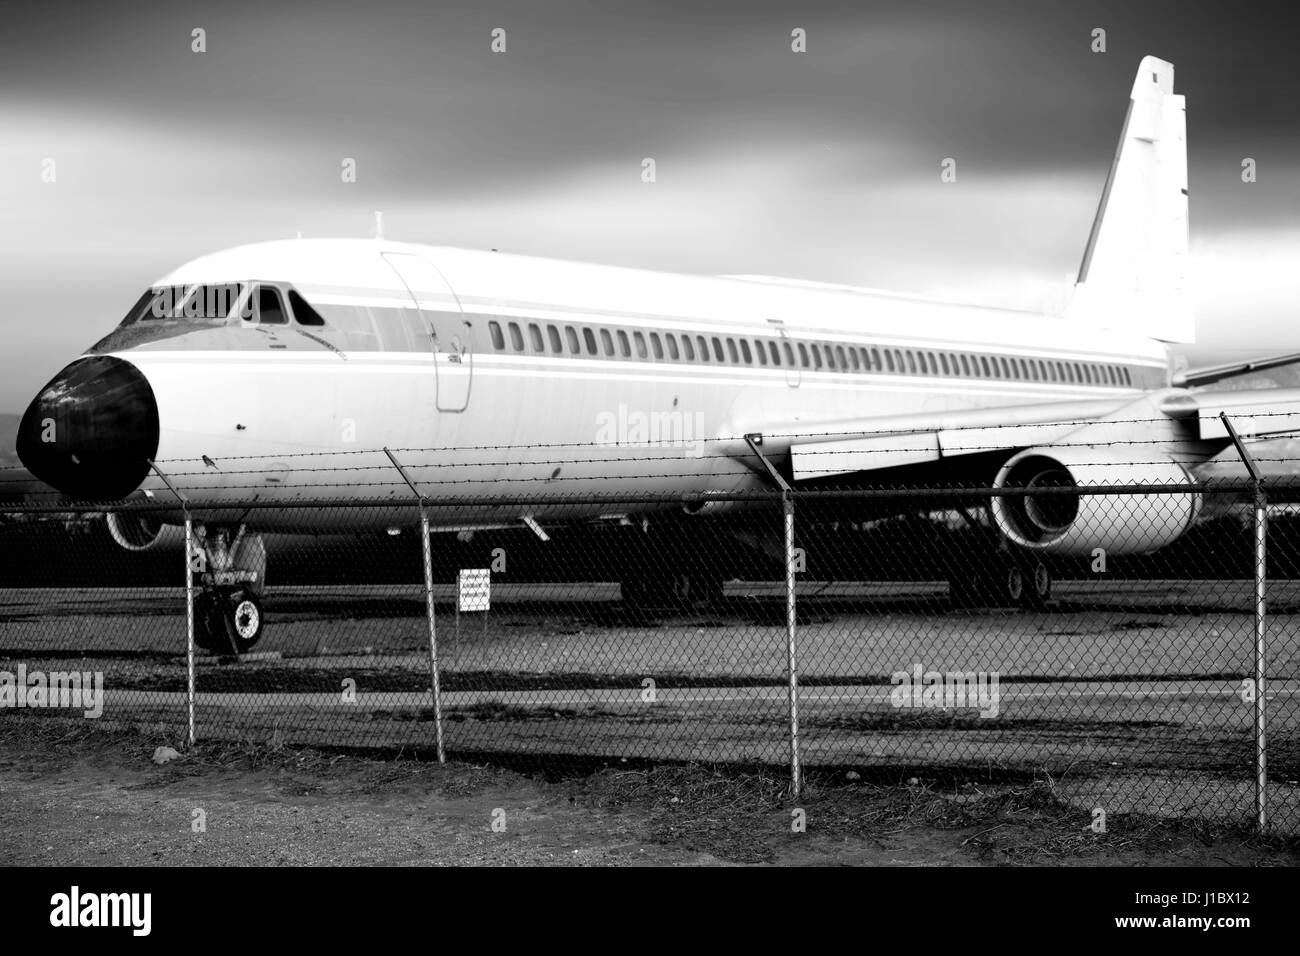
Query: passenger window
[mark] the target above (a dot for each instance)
(656, 346)
(607, 341)
(270, 307)
(731, 351)
(745, 352)
(853, 356)
(717, 349)
(775, 352)
(943, 363)
(498, 340)
(673, 353)
(553, 334)
(830, 356)
(589, 338)
(623, 344)
(302, 310)
(889, 359)
(789, 353)
(535, 334)
(640, 344)
(688, 350)
(911, 361)
(516, 337)
(761, 352)
(803, 355)
(703, 348)
(816, 354)
(571, 336)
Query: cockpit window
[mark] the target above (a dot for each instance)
(193, 303)
(302, 310)
(270, 307)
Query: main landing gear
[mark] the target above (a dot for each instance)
(228, 616)
(661, 589)
(1006, 579)
(994, 574)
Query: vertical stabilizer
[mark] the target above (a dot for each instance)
(1134, 271)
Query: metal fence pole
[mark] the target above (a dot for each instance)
(189, 624)
(433, 632)
(790, 622)
(1261, 576)
(428, 606)
(1261, 750)
(755, 442)
(190, 692)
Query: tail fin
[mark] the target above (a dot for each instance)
(1134, 271)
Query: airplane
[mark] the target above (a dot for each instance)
(535, 393)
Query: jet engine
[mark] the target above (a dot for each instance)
(136, 531)
(1078, 524)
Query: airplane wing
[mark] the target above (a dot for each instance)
(1168, 420)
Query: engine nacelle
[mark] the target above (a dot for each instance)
(1075, 524)
(142, 532)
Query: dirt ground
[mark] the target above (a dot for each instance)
(72, 795)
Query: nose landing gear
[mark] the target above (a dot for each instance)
(227, 619)
(228, 615)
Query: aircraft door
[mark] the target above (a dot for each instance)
(441, 316)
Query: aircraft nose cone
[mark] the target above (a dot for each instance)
(92, 431)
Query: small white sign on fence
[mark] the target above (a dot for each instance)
(475, 591)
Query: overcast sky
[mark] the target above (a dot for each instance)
(821, 165)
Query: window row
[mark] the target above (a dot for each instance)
(553, 339)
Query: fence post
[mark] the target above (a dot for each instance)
(1261, 751)
(190, 681)
(428, 606)
(1261, 596)
(787, 501)
(189, 624)
(787, 506)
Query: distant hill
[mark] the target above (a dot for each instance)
(1284, 376)
(8, 437)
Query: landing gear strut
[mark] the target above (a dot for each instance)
(228, 616)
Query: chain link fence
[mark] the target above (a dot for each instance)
(893, 634)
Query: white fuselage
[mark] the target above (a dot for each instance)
(420, 355)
